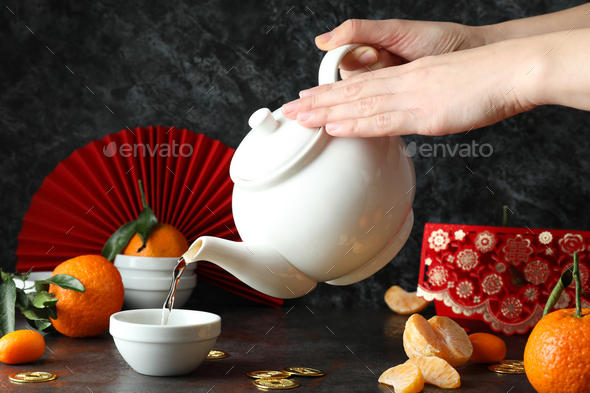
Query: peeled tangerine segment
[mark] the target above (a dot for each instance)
(439, 336)
(421, 340)
(405, 378)
(404, 303)
(437, 371)
(455, 338)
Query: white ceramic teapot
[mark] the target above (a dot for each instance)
(310, 207)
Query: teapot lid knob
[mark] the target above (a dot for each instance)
(263, 121)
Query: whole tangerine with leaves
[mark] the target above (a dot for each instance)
(21, 346)
(164, 241)
(87, 314)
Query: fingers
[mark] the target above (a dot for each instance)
(357, 78)
(365, 107)
(379, 32)
(390, 123)
(386, 59)
(333, 94)
(359, 58)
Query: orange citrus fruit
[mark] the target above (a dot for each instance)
(87, 314)
(420, 339)
(405, 378)
(487, 348)
(404, 303)
(437, 371)
(21, 346)
(454, 337)
(164, 241)
(439, 336)
(557, 353)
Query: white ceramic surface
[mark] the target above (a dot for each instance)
(174, 349)
(143, 292)
(310, 207)
(148, 267)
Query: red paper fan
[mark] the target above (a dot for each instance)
(94, 191)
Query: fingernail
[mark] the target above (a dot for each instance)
(305, 115)
(332, 127)
(324, 37)
(307, 93)
(368, 58)
(290, 107)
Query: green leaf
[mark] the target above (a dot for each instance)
(64, 281)
(562, 283)
(22, 301)
(23, 276)
(33, 315)
(146, 221)
(51, 311)
(43, 299)
(5, 276)
(40, 287)
(7, 302)
(44, 325)
(119, 240)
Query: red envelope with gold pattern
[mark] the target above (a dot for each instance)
(500, 275)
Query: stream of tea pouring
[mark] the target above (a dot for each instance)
(169, 303)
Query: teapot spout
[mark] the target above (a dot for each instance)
(258, 266)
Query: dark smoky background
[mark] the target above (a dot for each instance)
(63, 62)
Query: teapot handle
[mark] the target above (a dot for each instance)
(329, 67)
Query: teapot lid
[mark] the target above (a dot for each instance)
(274, 149)
(277, 147)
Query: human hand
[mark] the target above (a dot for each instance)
(397, 42)
(434, 95)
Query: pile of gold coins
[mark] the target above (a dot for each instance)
(279, 380)
(508, 367)
(272, 379)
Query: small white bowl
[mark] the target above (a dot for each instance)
(144, 292)
(148, 267)
(164, 350)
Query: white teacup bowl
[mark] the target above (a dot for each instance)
(164, 350)
(151, 292)
(135, 266)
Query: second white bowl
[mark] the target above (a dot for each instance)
(135, 266)
(143, 292)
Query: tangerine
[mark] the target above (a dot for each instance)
(21, 346)
(404, 303)
(405, 378)
(87, 314)
(438, 372)
(557, 353)
(439, 336)
(487, 348)
(164, 241)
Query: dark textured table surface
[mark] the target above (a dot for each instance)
(353, 347)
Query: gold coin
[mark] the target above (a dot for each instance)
(505, 369)
(268, 374)
(275, 383)
(213, 354)
(32, 377)
(304, 371)
(515, 363)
